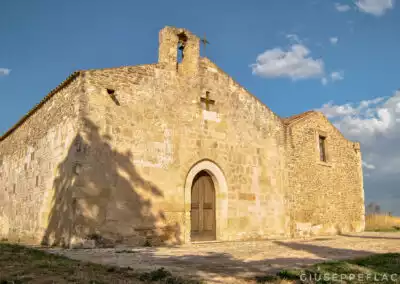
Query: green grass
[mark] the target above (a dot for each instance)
(20, 264)
(379, 268)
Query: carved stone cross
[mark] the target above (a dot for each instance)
(207, 101)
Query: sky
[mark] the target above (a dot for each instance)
(339, 57)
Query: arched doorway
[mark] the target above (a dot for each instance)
(202, 213)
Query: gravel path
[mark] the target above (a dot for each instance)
(223, 262)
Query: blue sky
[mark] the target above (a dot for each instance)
(339, 57)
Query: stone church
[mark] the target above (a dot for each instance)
(172, 152)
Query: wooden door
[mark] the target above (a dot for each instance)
(203, 208)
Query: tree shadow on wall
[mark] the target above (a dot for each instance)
(98, 194)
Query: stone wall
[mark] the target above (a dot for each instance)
(112, 155)
(325, 197)
(146, 128)
(251, 152)
(127, 167)
(30, 159)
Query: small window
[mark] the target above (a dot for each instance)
(37, 180)
(32, 156)
(322, 148)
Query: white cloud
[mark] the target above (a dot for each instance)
(293, 38)
(361, 120)
(376, 124)
(334, 40)
(333, 77)
(374, 7)
(342, 8)
(368, 166)
(295, 63)
(366, 108)
(333, 111)
(4, 71)
(337, 76)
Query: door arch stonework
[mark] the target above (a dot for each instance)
(221, 198)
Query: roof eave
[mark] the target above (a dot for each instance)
(63, 84)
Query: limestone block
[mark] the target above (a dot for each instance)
(82, 243)
(303, 229)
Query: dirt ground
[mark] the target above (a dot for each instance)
(223, 262)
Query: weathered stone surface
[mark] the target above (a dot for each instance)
(329, 194)
(30, 171)
(82, 243)
(114, 153)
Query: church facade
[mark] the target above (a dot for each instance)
(172, 152)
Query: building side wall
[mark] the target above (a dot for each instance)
(30, 160)
(326, 198)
